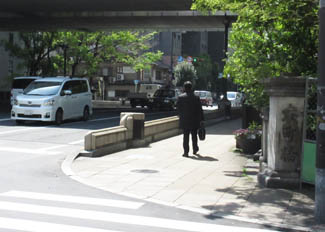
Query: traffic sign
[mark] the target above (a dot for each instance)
(189, 59)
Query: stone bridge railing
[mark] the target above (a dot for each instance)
(134, 132)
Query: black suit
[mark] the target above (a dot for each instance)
(190, 116)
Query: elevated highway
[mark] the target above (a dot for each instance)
(22, 15)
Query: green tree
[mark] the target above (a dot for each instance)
(185, 71)
(269, 39)
(34, 49)
(91, 49)
(51, 53)
(206, 72)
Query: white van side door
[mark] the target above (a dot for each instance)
(84, 97)
(67, 101)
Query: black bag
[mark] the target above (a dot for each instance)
(201, 133)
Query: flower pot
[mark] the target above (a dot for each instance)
(248, 145)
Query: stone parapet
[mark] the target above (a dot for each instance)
(131, 133)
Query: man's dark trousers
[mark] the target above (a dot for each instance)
(186, 138)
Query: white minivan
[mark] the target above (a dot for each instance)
(53, 99)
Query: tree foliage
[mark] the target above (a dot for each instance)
(185, 71)
(206, 72)
(46, 53)
(33, 49)
(270, 38)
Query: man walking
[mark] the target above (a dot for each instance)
(190, 117)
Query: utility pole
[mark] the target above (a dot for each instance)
(320, 151)
(172, 57)
(225, 80)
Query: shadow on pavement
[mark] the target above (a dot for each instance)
(203, 158)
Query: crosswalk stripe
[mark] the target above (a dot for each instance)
(36, 226)
(122, 218)
(74, 199)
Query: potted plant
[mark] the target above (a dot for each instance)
(249, 140)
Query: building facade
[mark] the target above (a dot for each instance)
(8, 67)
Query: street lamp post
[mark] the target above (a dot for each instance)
(320, 157)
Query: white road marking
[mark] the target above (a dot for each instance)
(54, 147)
(77, 142)
(36, 226)
(122, 218)
(74, 199)
(28, 151)
(20, 130)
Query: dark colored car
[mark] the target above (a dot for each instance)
(164, 98)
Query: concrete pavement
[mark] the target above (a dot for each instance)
(219, 181)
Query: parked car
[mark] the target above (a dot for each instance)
(164, 98)
(205, 97)
(236, 98)
(18, 86)
(53, 99)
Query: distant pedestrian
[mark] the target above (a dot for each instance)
(190, 117)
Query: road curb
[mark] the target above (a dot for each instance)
(66, 164)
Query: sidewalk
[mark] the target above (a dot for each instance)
(218, 181)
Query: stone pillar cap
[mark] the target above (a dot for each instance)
(285, 86)
(136, 116)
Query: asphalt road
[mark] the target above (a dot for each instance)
(35, 195)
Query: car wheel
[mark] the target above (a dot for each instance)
(59, 117)
(20, 122)
(86, 115)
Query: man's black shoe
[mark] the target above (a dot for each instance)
(195, 151)
(185, 155)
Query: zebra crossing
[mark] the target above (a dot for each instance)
(26, 211)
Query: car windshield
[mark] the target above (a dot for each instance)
(231, 95)
(164, 93)
(200, 94)
(43, 88)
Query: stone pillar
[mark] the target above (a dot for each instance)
(284, 134)
(134, 122)
(265, 117)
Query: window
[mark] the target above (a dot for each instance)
(42, 88)
(119, 69)
(158, 75)
(147, 73)
(84, 86)
(11, 38)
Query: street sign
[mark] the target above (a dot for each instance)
(136, 82)
(180, 59)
